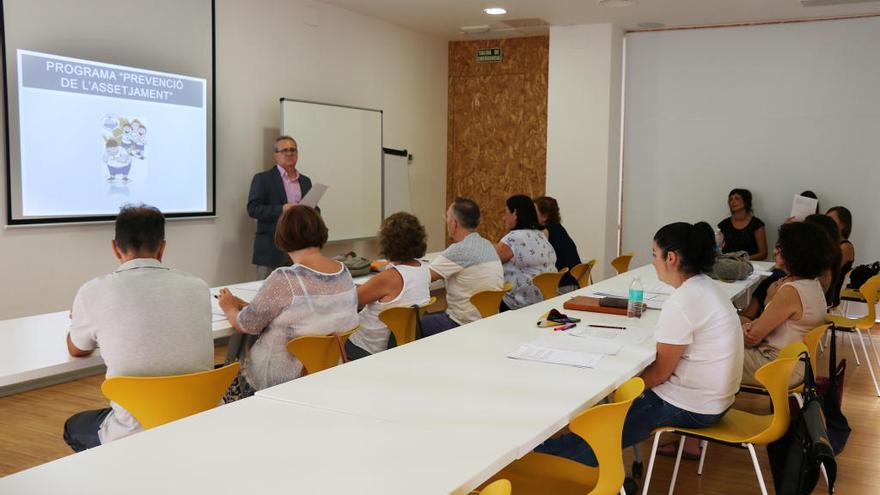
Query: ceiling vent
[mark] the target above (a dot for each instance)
(827, 3)
(531, 22)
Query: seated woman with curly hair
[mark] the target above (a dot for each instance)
(405, 281)
(795, 304)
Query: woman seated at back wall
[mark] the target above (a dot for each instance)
(742, 230)
(566, 251)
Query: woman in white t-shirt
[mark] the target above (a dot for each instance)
(699, 347)
(405, 281)
(524, 252)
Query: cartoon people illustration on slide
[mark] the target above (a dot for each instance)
(139, 138)
(127, 139)
(117, 159)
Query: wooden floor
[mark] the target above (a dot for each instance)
(31, 425)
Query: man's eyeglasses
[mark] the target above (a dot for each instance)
(286, 151)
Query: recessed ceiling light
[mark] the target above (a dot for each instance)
(495, 11)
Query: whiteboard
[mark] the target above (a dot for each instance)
(341, 147)
(775, 109)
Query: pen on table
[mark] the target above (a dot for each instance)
(607, 326)
(562, 328)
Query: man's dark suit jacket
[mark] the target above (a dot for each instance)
(265, 203)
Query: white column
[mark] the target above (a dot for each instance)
(583, 136)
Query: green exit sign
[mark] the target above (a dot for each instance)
(485, 55)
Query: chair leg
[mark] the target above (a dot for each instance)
(873, 346)
(757, 468)
(868, 362)
(821, 347)
(677, 464)
(651, 463)
(852, 343)
(704, 446)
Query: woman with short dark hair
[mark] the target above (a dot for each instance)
(566, 251)
(314, 296)
(524, 252)
(742, 230)
(796, 305)
(404, 282)
(843, 218)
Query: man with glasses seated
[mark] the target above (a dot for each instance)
(273, 192)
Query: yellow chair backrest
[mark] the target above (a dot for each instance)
(156, 400)
(602, 427)
(774, 376)
(811, 340)
(497, 487)
(581, 272)
(621, 263)
(402, 321)
(869, 292)
(488, 302)
(548, 282)
(319, 352)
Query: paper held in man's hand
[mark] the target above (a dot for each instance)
(802, 206)
(314, 195)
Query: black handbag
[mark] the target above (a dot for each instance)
(862, 273)
(797, 457)
(835, 422)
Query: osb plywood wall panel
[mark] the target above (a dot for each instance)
(497, 133)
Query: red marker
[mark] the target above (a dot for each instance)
(562, 328)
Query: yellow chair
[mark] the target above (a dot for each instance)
(740, 427)
(500, 487)
(811, 340)
(581, 272)
(156, 400)
(868, 291)
(621, 263)
(319, 352)
(488, 302)
(402, 321)
(602, 427)
(548, 282)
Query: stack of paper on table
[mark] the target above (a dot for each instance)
(630, 334)
(566, 350)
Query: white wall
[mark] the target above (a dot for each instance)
(776, 109)
(583, 129)
(264, 52)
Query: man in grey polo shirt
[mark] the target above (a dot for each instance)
(469, 265)
(148, 320)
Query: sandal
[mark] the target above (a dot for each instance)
(671, 450)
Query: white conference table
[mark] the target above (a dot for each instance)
(439, 415)
(262, 446)
(35, 354)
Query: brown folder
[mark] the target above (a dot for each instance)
(584, 303)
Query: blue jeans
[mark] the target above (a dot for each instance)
(434, 323)
(648, 411)
(81, 429)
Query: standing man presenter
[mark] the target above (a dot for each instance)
(273, 192)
